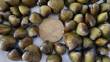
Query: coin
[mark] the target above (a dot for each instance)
(51, 30)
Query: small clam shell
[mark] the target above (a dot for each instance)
(102, 17)
(3, 5)
(7, 43)
(90, 20)
(105, 28)
(105, 7)
(75, 56)
(32, 31)
(66, 15)
(94, 9)
(56, 5)
(35, 18)
(45, 10)
(101, 42)
(103, 51)
(72, 40)
(25, 21)
(54, 58)
(30, 57)
(87, 43)
(47, 47)
(82, 29)
(25, 42)
(4, 29)
(69, 26)
(89, 56)
(33, 48)
(32, 54)
(75, 7)
(78, 18)
(15, 11)
(95, 33)
(14, 55)
(60, 48)
(20, 33)
(24, 10)
(84, 9)
(14, 20)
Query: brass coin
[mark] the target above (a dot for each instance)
(51, 30)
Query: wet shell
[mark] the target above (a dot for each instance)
(54, 58)
(25, 42)
(94, 9)
(47, 47)
(84, 9)
(4, 29)
(24, 10)
(82, 29)
(95, 33)
(72, 40)
(105, 7)
(14, 55)
(25, 21)
(32, 31)
(45, 10)
(66, 15)
(32, 54)
(20, 33)
(30, 57)
(56, 5)
(3, 5)
(78, 18)
(14, 20)
(69, 26)
(101, 42)
(75, 56)
(90, 20)
(87, 43)
(102, 17)
(105, 28)
(7, 43)
(60, 48)
(35, 18)
(75, 7)
(15, 11)
(89, 56)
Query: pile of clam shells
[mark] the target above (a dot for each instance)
(84, 25)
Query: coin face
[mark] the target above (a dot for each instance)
(51, 30)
